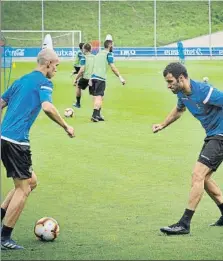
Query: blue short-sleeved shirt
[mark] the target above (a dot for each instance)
(206, 104)
(24, 99)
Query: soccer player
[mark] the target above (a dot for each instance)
(24, 100)
(180, 49)
(205, 103)
(98, 80)
(84, 74)
(78, 57)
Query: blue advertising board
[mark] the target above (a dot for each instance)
(123, 52)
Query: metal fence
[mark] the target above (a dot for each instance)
(152, 24)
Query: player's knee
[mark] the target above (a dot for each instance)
(197, 177)
(33, 181)
(33, 185)
(24, 190)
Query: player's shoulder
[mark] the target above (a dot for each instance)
(110, 57)
(46, 84)
(31, 79)
(41, 79)
(200, 86)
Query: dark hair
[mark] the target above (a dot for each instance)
(107, 43)
(176, 69)
(81, 45)
(87, 47)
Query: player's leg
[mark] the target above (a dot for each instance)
(197, 190)
(212, 189)
(99, 89)
(182, 57)
(97, 100)
(5, 203)
(17, 161)
(82, 84)
(78, 96)
(15, 208)
(209, 160)
(215, 193)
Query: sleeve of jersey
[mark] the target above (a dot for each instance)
(45, 92)
(211, 95)
(180, 104)
(79, 55)
(82, 61)
(7, 94)
(110, 58)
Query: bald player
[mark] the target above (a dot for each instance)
(24, 100)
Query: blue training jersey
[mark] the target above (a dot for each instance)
(24, 99)
(206, 104)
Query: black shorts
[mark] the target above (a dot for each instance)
(16, 159)
(83, 83)
(77, 68)
(97, 88)
(212, 152)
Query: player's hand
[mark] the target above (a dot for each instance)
(70, 131)
(122, 80)
(157, 127)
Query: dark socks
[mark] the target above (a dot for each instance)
(186, 218)
(6, 232)
(78, 100)
(221, 208)
(3, 211)
(96, 113)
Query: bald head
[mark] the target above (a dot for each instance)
(46, 56)
(48, 61)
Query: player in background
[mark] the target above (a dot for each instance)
(24, 100)
(77, 60)
(97, 85)
(180, 49)
(84, 74)
(205, 103)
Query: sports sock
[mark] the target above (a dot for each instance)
(3, 211)
(187, 216)
(78, 100)
(95, 113)
(6, 232)
(221, 208)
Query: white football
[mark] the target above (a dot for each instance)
(46, 229)
(69, 112)
(205, 79)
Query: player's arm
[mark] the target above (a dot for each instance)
(116, 72)
(174, 115)
(110, 60)
(51, 111)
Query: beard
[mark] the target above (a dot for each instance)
(176, 87)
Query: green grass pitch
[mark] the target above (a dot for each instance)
(113, 186)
